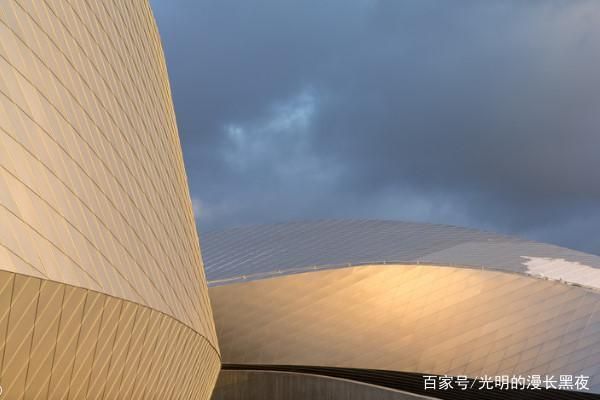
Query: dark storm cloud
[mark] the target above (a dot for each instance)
(484, 114)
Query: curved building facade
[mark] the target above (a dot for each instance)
(383, 301)
(102, 287)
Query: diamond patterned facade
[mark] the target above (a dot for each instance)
(103, 293)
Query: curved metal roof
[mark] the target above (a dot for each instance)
(261, 251)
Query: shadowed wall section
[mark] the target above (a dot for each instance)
(94, 197)
(259, 385)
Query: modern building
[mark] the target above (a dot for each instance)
(103, 293)
(102, 288)
(346, 309)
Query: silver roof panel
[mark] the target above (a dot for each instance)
(256, 252)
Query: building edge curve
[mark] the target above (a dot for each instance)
(59, 341)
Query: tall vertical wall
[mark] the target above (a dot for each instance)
(102, 289)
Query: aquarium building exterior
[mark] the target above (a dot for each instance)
(103, 293)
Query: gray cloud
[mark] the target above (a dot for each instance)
(483, 114)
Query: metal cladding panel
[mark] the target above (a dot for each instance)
(64, 342)
(412, 318)
(93, 190)
(404, 297)
(257, 252)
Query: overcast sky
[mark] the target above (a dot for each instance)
(475, 113)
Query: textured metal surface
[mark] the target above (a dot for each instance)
(257, 252)
(93, 194)
(419, 318)
(93, 190)
(63, 342)
(273, 385)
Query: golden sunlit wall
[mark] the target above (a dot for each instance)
(102, 275)
(424, 319)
